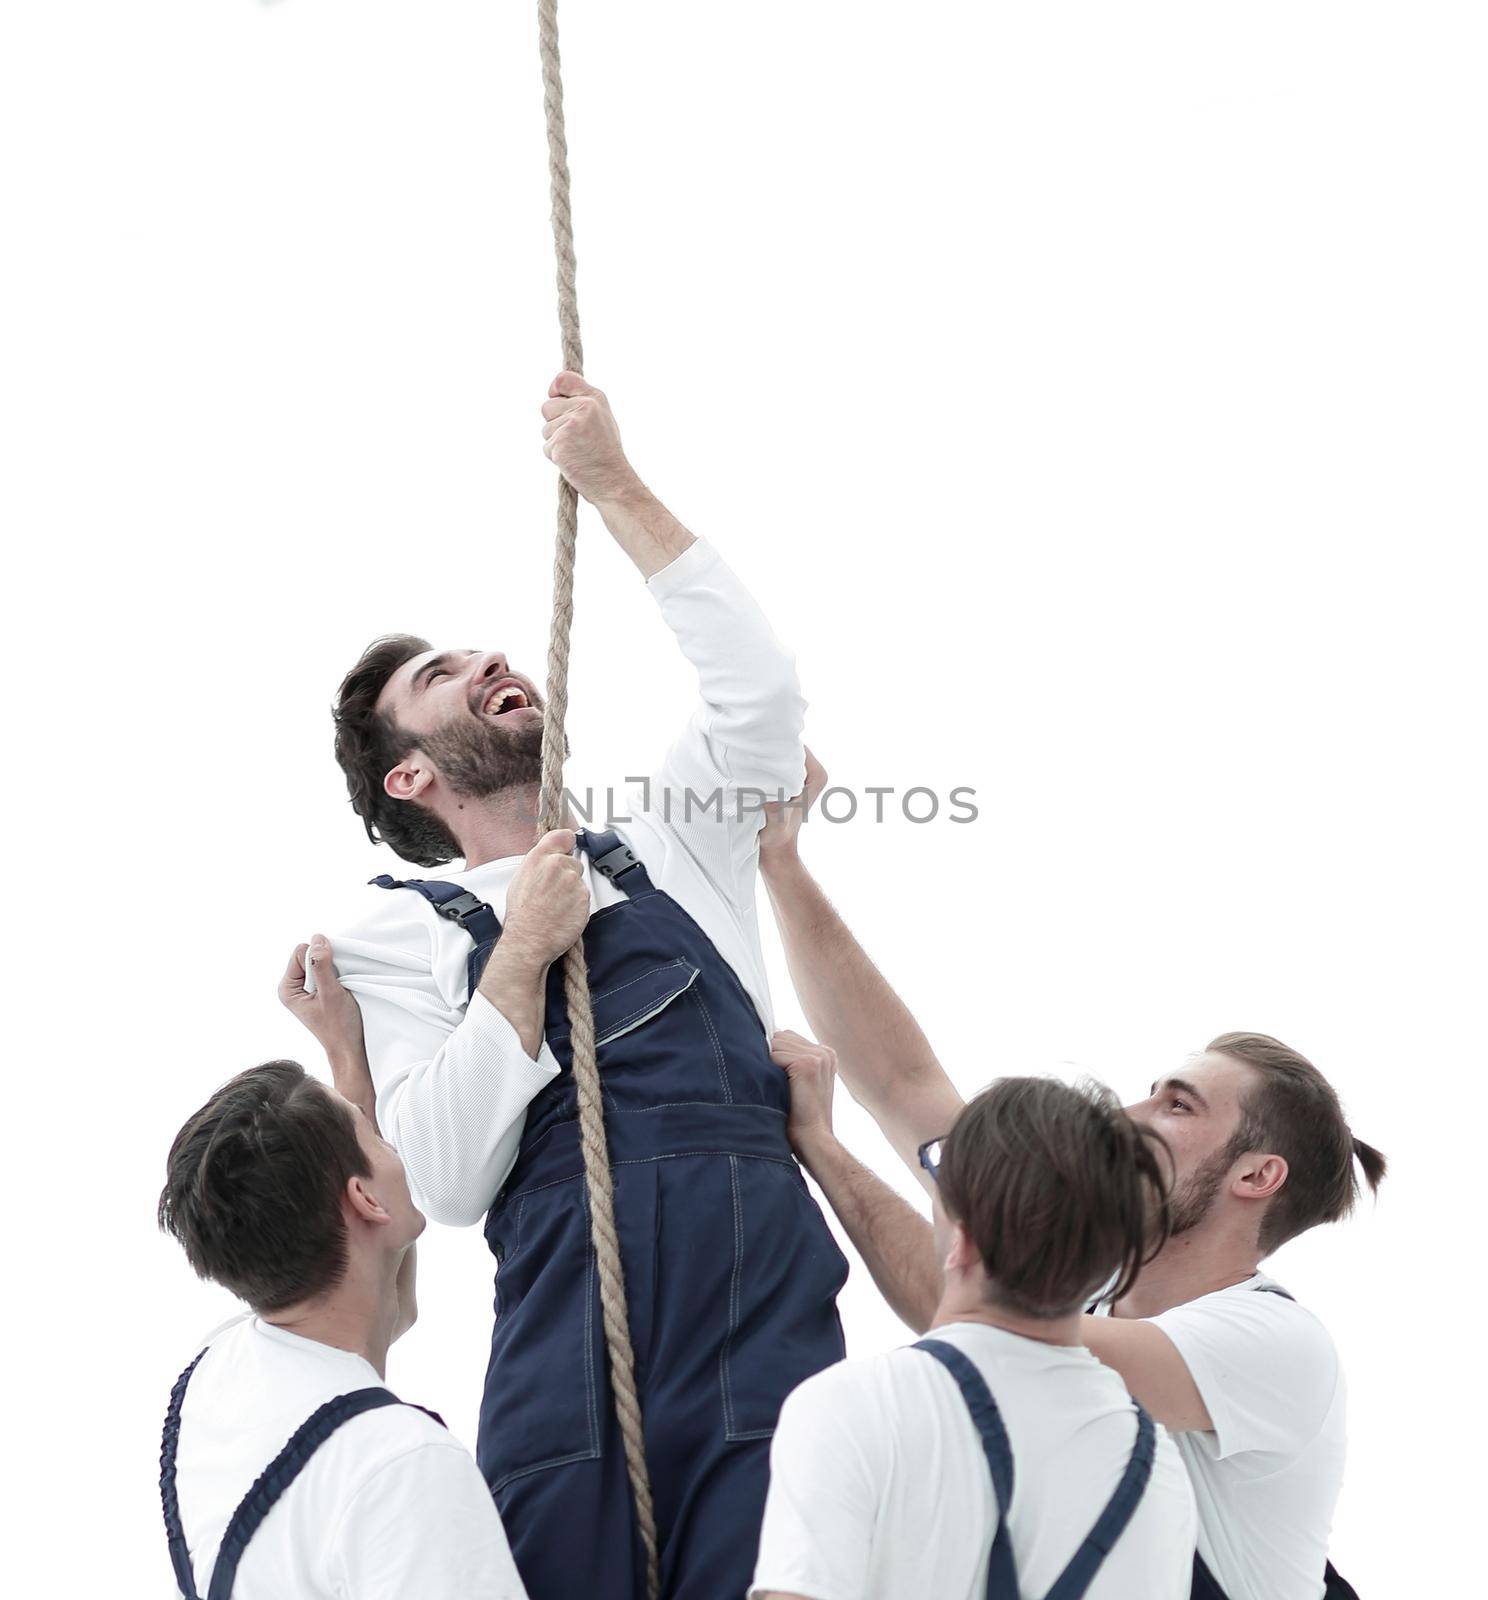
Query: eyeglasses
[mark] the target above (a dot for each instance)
(930, 1154)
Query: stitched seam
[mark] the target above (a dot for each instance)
(646, 1012)
(604, 994)
(718, 1056)
(671, 1155)
(543, 1466)
(723, 1353)
(641, 1111)
(589, 1295)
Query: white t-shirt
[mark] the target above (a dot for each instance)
(453, 1081)
(880, 1490)
(1267, 1478)
(390, 1507)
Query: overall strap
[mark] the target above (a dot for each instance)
(613, 858)
(1204, 1585)
(280, 1473)
(459, 906)
(174, 1533)
(1111, 1524)
(1002, 1571)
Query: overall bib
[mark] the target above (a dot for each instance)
(731, 1273)
(267, 1487)
(1002, 1571)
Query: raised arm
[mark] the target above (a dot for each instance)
(331, 1014)
(582, 439)
(883, 1055)
(896, 1243)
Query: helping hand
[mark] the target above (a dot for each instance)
(330, 1013)
(812, 1070)
(780, 836)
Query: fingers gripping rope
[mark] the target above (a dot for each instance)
(550, 814)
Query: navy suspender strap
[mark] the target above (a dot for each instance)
(267, 1487)
(1079, 1573)
(610, 854)
(613, 858)
(1111, 1524)
(460, 906)
(175, 1535)
(1002, 1571)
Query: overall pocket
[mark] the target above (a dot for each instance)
(783, 1325)
(540, 1407)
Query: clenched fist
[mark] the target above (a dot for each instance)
(547, 906)
(812, 1070)
(583, 442)
(779, 837)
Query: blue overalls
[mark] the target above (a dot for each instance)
(731, 1273)
(1002, 1571)
(267, 1487)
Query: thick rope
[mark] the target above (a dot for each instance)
(550, 814)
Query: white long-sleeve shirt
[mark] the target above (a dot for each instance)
(453, 1081)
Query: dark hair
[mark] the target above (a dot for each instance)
(369, 744)
(254, 1182)
(1059, 1190)
(1292, 1111)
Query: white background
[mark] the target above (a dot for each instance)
(1091, 394)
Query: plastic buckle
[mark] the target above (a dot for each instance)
(617, 862)
(463, 905)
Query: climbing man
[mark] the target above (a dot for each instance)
(731, 1272)
(1246, 1380)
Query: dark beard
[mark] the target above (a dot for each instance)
(1191, 1201)
(478, 758)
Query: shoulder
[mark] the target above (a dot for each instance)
(384, 927)
(400, 1447)
(848, 1401)
(1248, 1321)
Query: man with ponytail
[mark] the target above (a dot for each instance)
(895, 1476)
(1247, 1380)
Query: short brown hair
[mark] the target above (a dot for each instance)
(254, 1182)
(1292, 1111)
(369, 744)
(1059, 1190)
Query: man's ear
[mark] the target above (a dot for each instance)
(1259, 1176)
(364, 1204)
(963, 1254)
(409, 779)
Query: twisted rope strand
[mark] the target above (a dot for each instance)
(592, 1137)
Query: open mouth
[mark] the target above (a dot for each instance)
(505, 697)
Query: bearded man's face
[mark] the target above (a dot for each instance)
(478, 722)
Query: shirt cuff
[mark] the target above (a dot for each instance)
(683, 570)
(490, 1028)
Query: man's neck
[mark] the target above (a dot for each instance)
(499, 825)
(360, 1314)
(1190, 1265)
(956, 1305)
